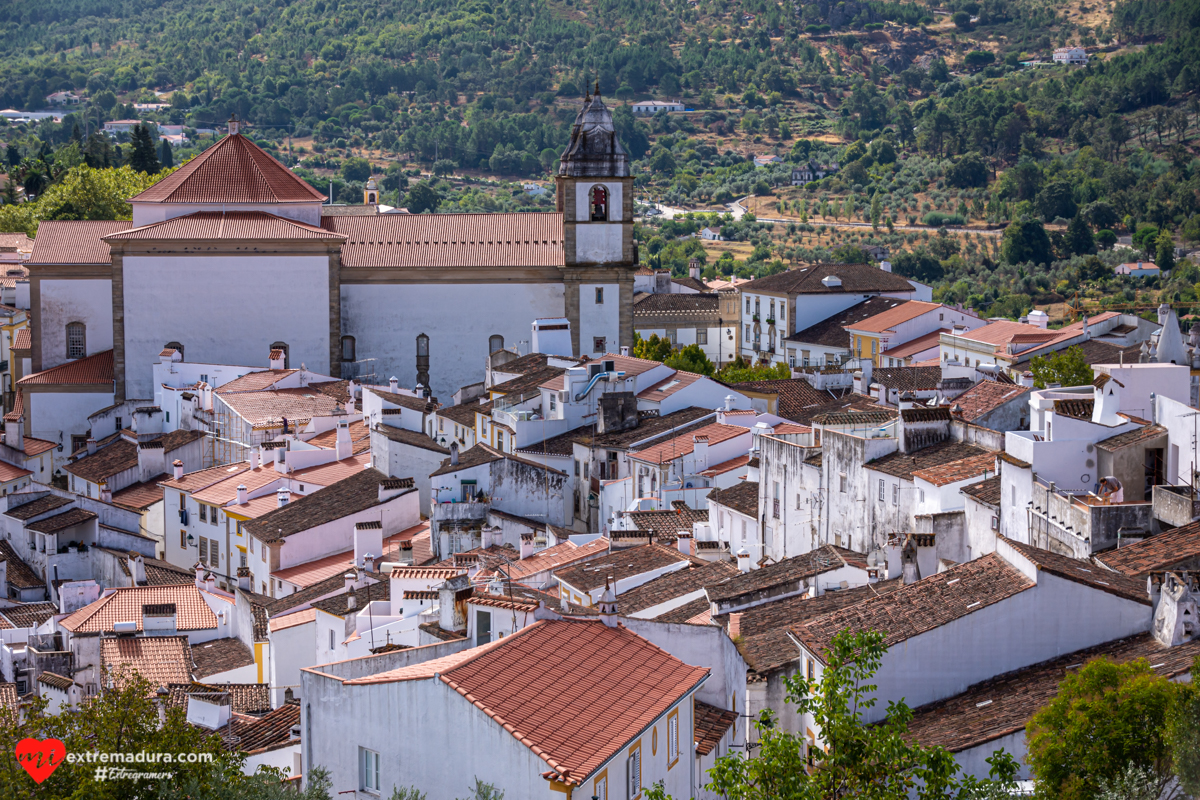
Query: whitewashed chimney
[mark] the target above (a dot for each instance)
(343, 447)
(743, 560)
(283, 497)
(242, 494)
(177, 466)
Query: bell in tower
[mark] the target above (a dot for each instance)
(371, 193)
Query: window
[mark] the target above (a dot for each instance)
(600, 787)
(495, 342)
(483, 627)
(922, 493)
(672, 738)
(633, 771)
(553, 402)
(203, 550)
(76, 340)
(598, 200)
(262, 552)
(811, 668)
(747, 333)
(369, 767)
(896, 495)
(203, 512)
(599, 344)
(757, 305)
(881, 489)
(673, 336)
(331, 642)
(183, 539)
(242, 561)
(468, 491)
(747, 305)
(118, 421)
(599, 295)
(874, 344)
(176, 346)
(842, 482)
(995, 523)
(500, 441)
(214, 552)
(286, 355)
(78, 443)
(348, 348)
(1013, 495)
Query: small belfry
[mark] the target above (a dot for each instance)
(595, 197)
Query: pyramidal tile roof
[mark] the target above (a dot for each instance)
(234, 170)
(233, 225)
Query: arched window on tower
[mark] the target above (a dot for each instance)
(495, 342)
(282, 346)
(598, 197)
(175, 346)
(76, 340)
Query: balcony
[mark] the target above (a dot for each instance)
(460, 512)
(1175, 505)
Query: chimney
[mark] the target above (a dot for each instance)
(729, 401)
(276, 358)
(526, 545)
(14, 433)
(200, 570)
(350, 578)
(625, 350)
(283, 497)
(743, 560)
(288, 695)
(454, 454)
(105, 492)
(351, 600)
(394, 384)
(152, 459)
(137, 566)
(694, 269)
(908, 562)
(608, 605)
(242, 495)
(281, 458)
(159, 619)
(368, 542)
(699, 452)
(452, 596)
(343, 448)
(686, 543)
(255, 455)
(1086, 335)
(735, 625)
(177, 465)
(243, 578)
(91, 445)
(210, 581)
(1175, 617)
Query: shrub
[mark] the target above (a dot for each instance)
(937, 219)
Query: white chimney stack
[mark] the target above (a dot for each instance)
(743, 560)
(283, 497)
(608, 605)
(394, 384)
(91, 445)
(526, 545)
(178, 467)
(254, 456)
(242, 495)
(343, 448)
(105, 492)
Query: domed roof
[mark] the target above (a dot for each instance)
(594, 150)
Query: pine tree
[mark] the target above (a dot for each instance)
(76, 134)
(143, 158)
(10, 192)
(1079, 236)
(165, 156)
(1165, 259)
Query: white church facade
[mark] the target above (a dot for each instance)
(233, 255)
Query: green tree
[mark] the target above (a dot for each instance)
(10, 191)
(962, 21)
(1105, 718)
(690, 359)
(876, 212)
(652, 349)
(918, 265)
(1065, 367)
(876, 761)
(356, 169)
(1183, 735)
(1079, 236)
(1165, 255)
(166, 157)
(1105, 239)
(738, 371)
(81, 193)
(1026, 240)
(969, 171)
(422, 197)
(144, 157)
(106, 100)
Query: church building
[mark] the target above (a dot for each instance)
(233, 256)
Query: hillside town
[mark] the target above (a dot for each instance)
(354, 488)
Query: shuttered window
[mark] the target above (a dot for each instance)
(203, 550)
(633, 770)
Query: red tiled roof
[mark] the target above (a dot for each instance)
(21, 340)
(1158, 552)
(74, 241)
(270, 407)
(886, 320)
(1086, 573)
(234, 170)
(140, 496)
(711, 725)
(255, 381)
(237, 225)
(669, 386)
(986, 396)
(158, 659)
(95, 370)
(8, 472)
(360, 438)
(621, 564)
(961, 470)
(917, 345)
(125, 605)
(316, 571)
(34, 446)
(561, 555)
(1002, 331)
(450, 240)
(680, 446)
(609, 683)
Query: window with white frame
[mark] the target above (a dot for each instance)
(896, 494)
(369, 770)
(881, 490)
(673, 738)
(633, 771)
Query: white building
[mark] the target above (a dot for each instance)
(654, 106)
(1070, 55)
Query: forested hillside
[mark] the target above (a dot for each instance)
(934, 113)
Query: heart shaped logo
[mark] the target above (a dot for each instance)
(41, 757)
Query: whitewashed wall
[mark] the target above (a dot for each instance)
(86, 301)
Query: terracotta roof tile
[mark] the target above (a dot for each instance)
(855, 279)
(286, 621)
(907, 379)
(268, 732)
(920, 344)
(350, 495)
(667, 524)
(1004, 705)
(61, 521)
(360, 438)
(711, 725)
(18, 573)
(27, 505)
(905, 465)
(323, 568)
(1159, 552)
(21, 341)
(1084, 572)
(570, 667)
(34, 446)
(482, 454)
(679, 446)
(94, 370)
(1076, 409)
(255, 381)
(620, 564)
(9, 701)
(219, 655)
(158, 659)
(60, 682)
(1135, 436)
(961, 470)
(987, 396)
(338, 604)
(206, 226)
(10, 472)
(674, 584)
(785, 575)
(689, 613)
(140, 496)
(831, 331)
(668, 386)
(269, 408)
(1002, 331)
(922, 606)
(450, 240)
(676, 304)
(244, 698)
(74, 241)
(986, 492)
(404, 436)
(234, 170)
(648, 426)
(741, 497)
(29, 615)
(122, 455)
(125, 605)
(855, 414)
(557, 557)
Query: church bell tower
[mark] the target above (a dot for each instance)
(595, 197)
